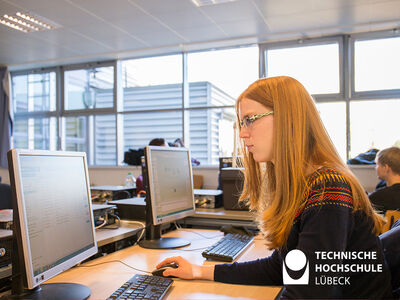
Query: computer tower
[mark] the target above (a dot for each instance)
(232, 186)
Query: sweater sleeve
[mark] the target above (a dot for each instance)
(266, 271)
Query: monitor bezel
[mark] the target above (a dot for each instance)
(32, 280)
(177, 216)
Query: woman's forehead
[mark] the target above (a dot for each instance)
(248, 105)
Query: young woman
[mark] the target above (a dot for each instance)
(305, 198)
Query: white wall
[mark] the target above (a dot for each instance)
(116, 175)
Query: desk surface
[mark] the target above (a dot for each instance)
(104, 279)
(106, 236)
(221, 213)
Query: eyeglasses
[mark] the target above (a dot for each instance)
(247, 121)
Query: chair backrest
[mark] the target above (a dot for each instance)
(391, 217)
(391, 249)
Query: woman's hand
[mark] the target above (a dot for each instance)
(186, 270)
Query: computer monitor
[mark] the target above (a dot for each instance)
(168, 180)
(53, 221)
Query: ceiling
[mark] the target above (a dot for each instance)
(94, 30)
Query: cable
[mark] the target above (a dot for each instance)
(188, 250)
(140, 236)
(142, 228)
(137, 222)
(205, 237)
(177, 226)
(118, 223)
(112, 261)
(101, 225)
(202, 235)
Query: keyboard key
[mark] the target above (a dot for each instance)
(143, 287)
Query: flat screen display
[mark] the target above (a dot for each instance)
(54, 208)
(170, 183)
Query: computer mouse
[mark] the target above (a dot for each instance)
(159, 271)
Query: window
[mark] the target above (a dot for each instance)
(105, 140)
(141, 128)
(333, 115)
(75, 134)
(374, 124)
(377, 64)
(89, 120)
(216, 79)
(152, 100)
(192, 96)
(229, 70)
(34, 106)
(95, 135)
(376, 101)
(316, 66)
(211, 133)
(89, 88)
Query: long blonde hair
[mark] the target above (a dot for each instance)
(276, 190)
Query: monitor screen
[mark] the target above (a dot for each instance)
(55, 216)
(170, 183)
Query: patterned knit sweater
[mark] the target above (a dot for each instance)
(337, 242)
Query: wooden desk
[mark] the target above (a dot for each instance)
(107, 236)
(104, 279)
(218, 217)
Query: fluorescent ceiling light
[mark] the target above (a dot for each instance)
(27, 22)
(199, 3)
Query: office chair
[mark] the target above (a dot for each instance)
(391, 216)
(5, 196)
(391, 249)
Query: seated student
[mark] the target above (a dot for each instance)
(139, 179)
(305, 197)
(388, 169)
(179, 143)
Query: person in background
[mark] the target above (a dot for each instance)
(305, 198)
(158, 142)
(139, 179)
(179, 143)
(388, 169)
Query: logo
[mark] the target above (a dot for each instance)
(295, 269)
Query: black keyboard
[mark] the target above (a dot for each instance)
(143, 287)
(228, 248)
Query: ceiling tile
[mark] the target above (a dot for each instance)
(232, 11)
(245, 28)
(157, 7)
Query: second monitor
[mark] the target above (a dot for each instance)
(167, 174)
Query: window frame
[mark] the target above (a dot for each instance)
(41, 114)
(374, 94)
(347, 93)
(306, 42)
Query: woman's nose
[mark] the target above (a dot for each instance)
(243, 133)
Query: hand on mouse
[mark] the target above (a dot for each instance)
(186, 270)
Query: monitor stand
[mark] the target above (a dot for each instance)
(56, 291)
(155, 241)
